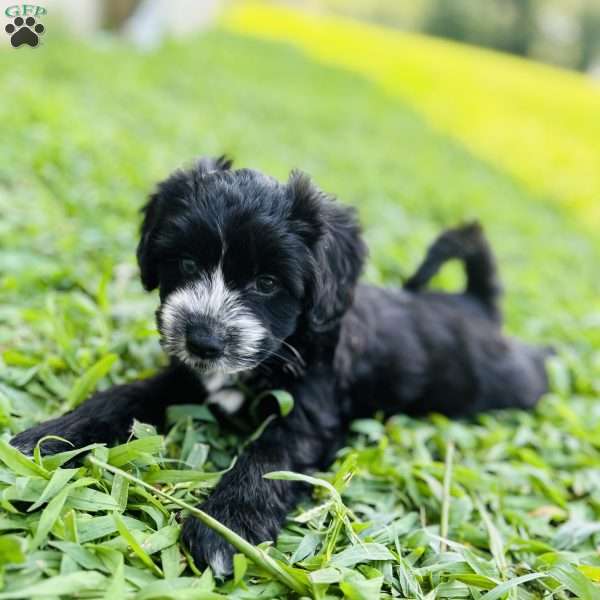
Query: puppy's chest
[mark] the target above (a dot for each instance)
(232, 392)
(223, 391)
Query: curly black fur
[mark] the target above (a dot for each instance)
(260, 278)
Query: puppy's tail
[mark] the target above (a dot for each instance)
(468, 244)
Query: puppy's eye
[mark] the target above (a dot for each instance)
(266, 284)
(188, 266)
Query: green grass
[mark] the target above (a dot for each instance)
(86, 133)
(536, 122)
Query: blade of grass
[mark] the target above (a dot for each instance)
(116, 588)
(124, 453)
(49, 516)
(19, 463)
(575, 581)
(256, 555)
(291, 476)
(501, 589)
(496, 542)
(57, 482)
(135, 545)
(446, 496)
(87, 382)
(61, 585)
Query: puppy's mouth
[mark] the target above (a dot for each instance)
(226, 364)
(207, 367)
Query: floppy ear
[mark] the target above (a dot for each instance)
(176, 189)
(338, 250)
(152, 211)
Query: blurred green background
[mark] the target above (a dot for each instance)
(560, 32)
(418, 132)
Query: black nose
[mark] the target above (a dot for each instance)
(203, 342)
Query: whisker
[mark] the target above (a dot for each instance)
(294, 367)
(294, 350)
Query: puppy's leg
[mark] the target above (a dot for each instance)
(256, 507)
(107, 416)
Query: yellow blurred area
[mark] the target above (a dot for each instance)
(538, 123)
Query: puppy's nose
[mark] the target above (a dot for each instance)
(203, 342)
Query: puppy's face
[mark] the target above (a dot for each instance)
(235, 256)
(232, 280)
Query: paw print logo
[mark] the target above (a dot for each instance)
(24, 31)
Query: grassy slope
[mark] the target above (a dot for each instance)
(82, 146)
(537, 122)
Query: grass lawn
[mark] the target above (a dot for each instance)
(88, 129)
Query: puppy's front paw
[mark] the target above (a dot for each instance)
(209, 548)
(27, 440)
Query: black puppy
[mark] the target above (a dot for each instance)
(259, 278)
